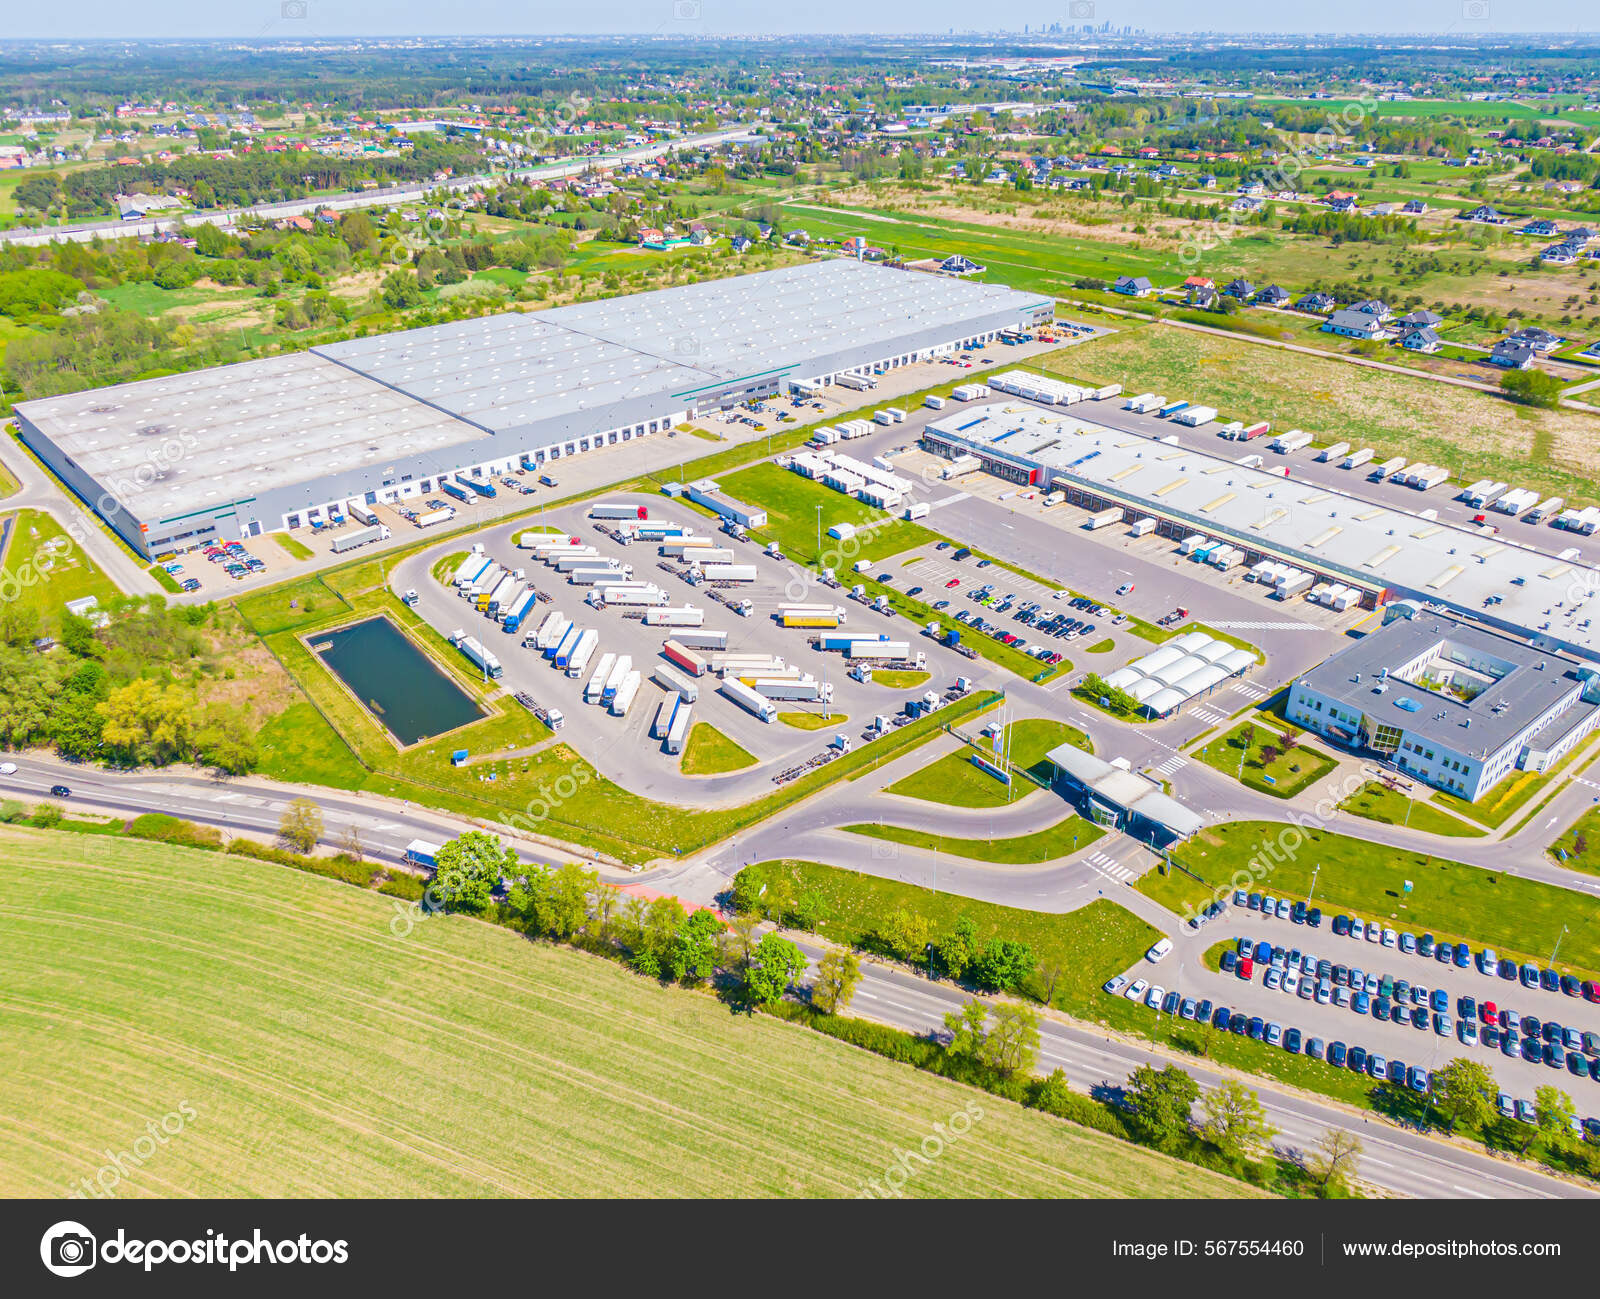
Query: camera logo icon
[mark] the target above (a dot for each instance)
(293, 10)
(686, 11)
(68, 1249)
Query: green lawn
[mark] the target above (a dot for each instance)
(1102, 647)
(1518, 917)
(812, 721)
(955, 781)
(1091, 943)
(1060, 840)
(1473, 434)
(322, 1049)
(1502, 802)
(50, 568)
(899, 680)
(1285, 776)
(1377, 802)
(791, 503)
(297, 548)
(1580, 843)
(710, 753)
(299, 745)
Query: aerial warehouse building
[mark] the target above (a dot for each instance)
(290, 441)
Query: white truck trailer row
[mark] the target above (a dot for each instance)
(756, 704)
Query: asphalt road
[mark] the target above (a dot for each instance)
(1395, 1160)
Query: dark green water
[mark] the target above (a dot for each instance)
(399, 684)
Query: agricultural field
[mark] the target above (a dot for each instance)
(1471, 433)
(309, 1045)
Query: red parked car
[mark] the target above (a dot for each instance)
(1247, 967)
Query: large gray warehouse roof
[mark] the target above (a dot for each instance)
(188, 441)
(249, 428)
(1333, 531)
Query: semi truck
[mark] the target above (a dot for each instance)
(1143, 403)
(845, 639)
(663, 720)
(855, 382)
(701, 639)
(1382, 470)
(918, 511)
(361, 514)
(620, 671)
(1171, 409)
(547, 629)
(1334, 451)
(626, 692)
(882, 651)
(522, 607)
(1293, 440)
(1516, 501)
(474, 651)
(1426, 477)
(1481, 494)
(504, 595)
(429, 517)
(1545, 509)
(567, 651)
(806, 690)
(758, 705)
(1357, 458)
(615, 510)
(808, 620)
(684, 657)
(678, 731)
(485, 582)
(729, 572)
(360, 537)
(669, 678)
(550, 639)
(597, 683)
(419, 852)
(1104, 519)
(560, 654)
(746, 664)
(682, 616)
(1195, 416)
(1110, 390)
(633, 597)
(455, 490)
(541, 540)
(582, 652)
(482, 487)
(470, 569)
(573, 557)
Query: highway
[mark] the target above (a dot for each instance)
(1395, 1160)
(88, 231)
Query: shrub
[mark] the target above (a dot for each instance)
(170, 829)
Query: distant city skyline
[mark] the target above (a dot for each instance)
(301, 19)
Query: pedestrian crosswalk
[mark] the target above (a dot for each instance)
(1210, 715)
(1250, 690)
(1172, 764)
(1110, 867)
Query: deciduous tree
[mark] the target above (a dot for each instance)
(1161, 1101)
(838, 973)
(1234, 1121)
(300, 827)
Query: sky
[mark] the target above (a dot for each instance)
(339, 18)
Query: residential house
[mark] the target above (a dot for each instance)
(1512, 355)
(1420, 319)
(1374, 307)
(1247, 204)
(1350, 323)
(1207, 181)
(740, 243)
(1484, 215)
(1240, 289)
(1198, 282)
(1346, 203)
(1318, 302)
(1541, 341)
(1541, 228)
(1133, 286)
(957, 264)
(1420, 339)
(1204, 296)
(1415, 207)
(1273, 295)
(1559, 255)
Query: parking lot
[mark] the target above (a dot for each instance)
(1363, 989)
(612, 741)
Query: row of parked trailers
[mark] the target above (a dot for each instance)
(674, 716)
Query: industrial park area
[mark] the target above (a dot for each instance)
(703, 627)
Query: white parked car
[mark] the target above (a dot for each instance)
(1357, 929)
(8, 769)
(1290, 984)
(1390, 938)
(1155, 996)
(1374, 934)
(1136, 990)
(1159, 951)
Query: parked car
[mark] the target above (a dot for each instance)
(1115, 984)
(1136, 990)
